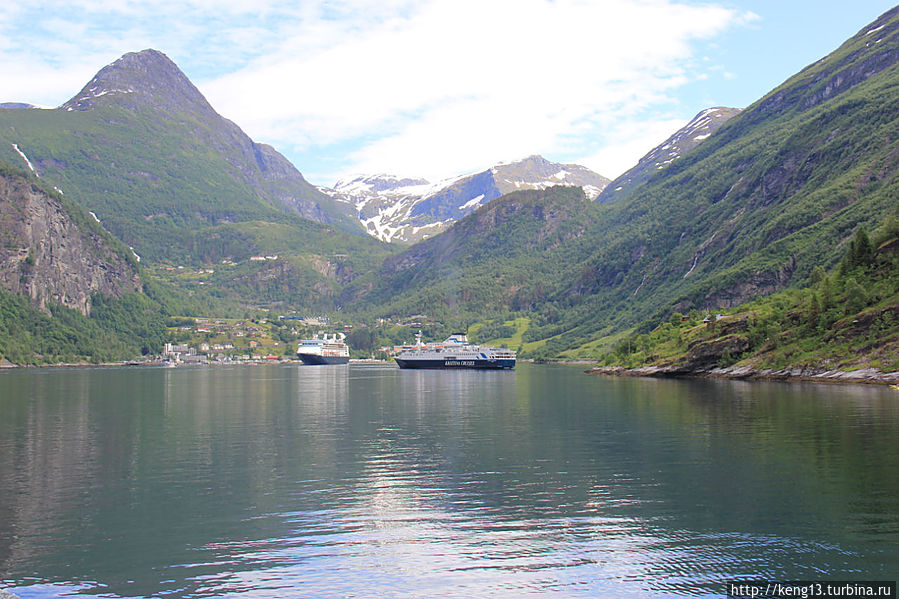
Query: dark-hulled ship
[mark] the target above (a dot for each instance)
(324, 350)
(454, 352)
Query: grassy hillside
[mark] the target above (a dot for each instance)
(156, 187)
(178, 203)
(776, 191)
(501, 259)
(845, 320)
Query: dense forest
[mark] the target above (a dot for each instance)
(129, 327)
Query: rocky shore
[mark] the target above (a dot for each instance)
(804, 374)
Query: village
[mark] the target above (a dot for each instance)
(229, 340)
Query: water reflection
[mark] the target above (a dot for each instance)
(336, 481)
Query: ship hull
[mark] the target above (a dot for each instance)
(313, 360)
(453, 363)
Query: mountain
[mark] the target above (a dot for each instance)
(685, 139)
(842, 327)
(141, 148)
(492, 260)
(53, 252)
(776, 191)
(149, 81)
(408, 210)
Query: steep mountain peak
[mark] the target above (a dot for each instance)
(141, 79)
(143, 120)
(532, 160)
(689, 136)
(536, 172)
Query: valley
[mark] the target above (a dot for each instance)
(198, 221)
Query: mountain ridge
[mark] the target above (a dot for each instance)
(445, 275)
(408, 209)
(140, 130)
(700, 128)
(149, 81)
(141, 148)
(778, 189)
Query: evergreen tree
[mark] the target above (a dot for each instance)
(817, 276)
(856, 297)
(860, 254)
(864, 250)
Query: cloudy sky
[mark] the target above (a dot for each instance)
(436, 88)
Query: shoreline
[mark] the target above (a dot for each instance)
(148, 364)
(5, 365)
(864, 376)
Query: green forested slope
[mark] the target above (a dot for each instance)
(152, 183)
(117, 329)
(505, 257)
(69, 291)
(844, 320)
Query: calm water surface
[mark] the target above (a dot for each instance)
(361, 481)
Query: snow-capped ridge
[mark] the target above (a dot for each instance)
(394, 208)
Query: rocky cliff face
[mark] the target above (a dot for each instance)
(46, 255)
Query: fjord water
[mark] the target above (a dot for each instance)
(360, 481)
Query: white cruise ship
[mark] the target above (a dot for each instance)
(324, 350)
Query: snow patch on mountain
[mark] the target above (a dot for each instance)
(25, 158)
(472, 202)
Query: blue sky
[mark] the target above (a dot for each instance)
(436, 88)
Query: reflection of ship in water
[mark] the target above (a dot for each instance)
(454, 352)
(323, 390)
(324, 350)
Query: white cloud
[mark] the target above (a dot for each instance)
(628, 141)
(454, 84)
(424, 87)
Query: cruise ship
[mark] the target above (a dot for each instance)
(454, 352)
(324, 350)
